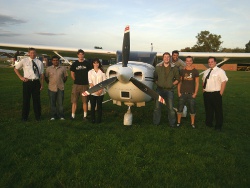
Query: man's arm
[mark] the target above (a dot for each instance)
(197, 80)
(176, 76)
(72, 75)
(41, 80)
(20, 76)
(179, 88)
(223, 86)
(46, 78)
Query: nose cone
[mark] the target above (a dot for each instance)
(124, 74)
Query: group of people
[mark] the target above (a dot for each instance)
(83, 73)
(170, 74)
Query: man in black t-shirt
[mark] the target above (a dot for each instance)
(79, 73)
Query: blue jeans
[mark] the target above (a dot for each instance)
(56, 103)
(187, 98)
(169, 99)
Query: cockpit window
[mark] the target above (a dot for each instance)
(146, 57)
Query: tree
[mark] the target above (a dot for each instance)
(207, 42)
(233, 50)
(187, 49)
(247, 47)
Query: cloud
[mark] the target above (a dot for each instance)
(5, 33)
(50, 34)
(8, 20)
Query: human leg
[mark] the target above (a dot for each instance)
(192, 107)
(85, 100)
(36, 98)
(157, 110)
(74, 99)
(92, 99)
(99, 108)
(52, 100)
(208, 104)
(181, 103)
(26, 100)
(171, 112)
(59, 99)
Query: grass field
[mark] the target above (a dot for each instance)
(76, 154)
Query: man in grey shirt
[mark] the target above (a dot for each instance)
(175, 61)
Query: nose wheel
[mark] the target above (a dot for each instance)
(128, 117)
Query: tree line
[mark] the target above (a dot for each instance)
(208, 42)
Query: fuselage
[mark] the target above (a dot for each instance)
(124, 90)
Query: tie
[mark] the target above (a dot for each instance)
(207, 77)
(35, 68)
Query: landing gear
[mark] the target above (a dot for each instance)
(128, 118)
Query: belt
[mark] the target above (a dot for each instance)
(186, 93)
(212, 91)
(31, 80)
(163, 88)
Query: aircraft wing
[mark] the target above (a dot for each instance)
(215, 54)
(63, 50)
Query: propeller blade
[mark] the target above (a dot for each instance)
(100, 86)
(147, 90)
(126, 47)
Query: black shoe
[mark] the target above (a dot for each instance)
(72, 118)
(84, 119)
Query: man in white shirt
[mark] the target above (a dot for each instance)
(32, 83)
(214, 84)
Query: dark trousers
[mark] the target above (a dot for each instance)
(31, 88)
(56, 103)
(96, 100)
(213, 107)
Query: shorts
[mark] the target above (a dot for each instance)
(77, 91)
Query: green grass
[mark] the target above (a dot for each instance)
(77, 154)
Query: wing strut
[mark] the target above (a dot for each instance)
(67, 61)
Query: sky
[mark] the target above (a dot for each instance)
(169, 25)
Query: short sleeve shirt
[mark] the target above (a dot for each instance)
(56, 76)
(81, 70)
(27, 66)
(188, 80)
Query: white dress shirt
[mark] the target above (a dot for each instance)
(217, 76)
(27, 66)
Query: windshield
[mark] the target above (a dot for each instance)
(146, 57)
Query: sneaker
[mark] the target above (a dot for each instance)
(52, 119)
(193, 126)
(62, 118)
(84, 119)
(178, 124)
(72, 118)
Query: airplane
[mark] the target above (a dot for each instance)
(130, 80)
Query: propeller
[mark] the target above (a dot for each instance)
(100, 86)
(126, 47)
(147, 90)
(125, 73)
